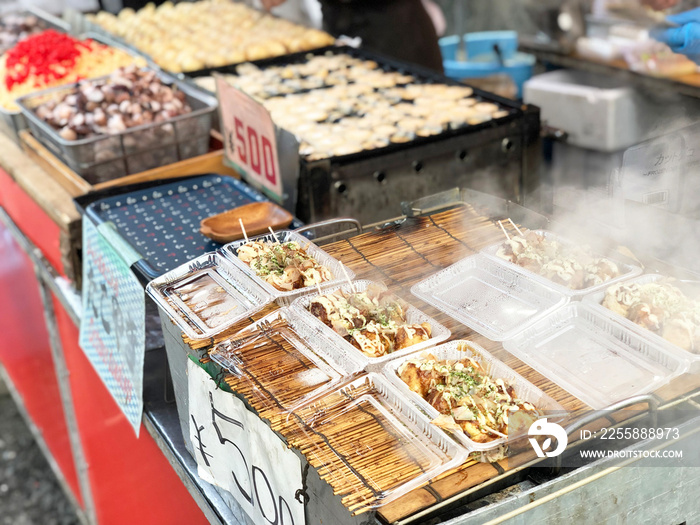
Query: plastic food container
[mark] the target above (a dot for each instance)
(235, 296)
(495, 369)
(596, 300)
(370, 444)
(230, 251)
(278, 365)
(489, 297)
(413, 316)
(587, 353)
(106, 157)
(626, 270)
(12, 122)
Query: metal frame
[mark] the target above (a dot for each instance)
(48, 285)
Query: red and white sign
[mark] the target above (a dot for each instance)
(249, 138)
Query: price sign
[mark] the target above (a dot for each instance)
(249, 139)
(236, 451)
(112, 328)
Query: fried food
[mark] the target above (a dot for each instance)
(468, 400)
(374, 321)
(661, 308)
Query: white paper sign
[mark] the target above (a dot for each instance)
(112, 330)
(236, 451)
(249, 139)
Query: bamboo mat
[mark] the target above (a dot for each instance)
(402, 255)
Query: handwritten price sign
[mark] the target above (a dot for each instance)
(236, 451)
(112, 329)
(249, 137)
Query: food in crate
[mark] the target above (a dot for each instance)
(374, 321)
(284, 265)
(354, 105)
(18, 26)
(659, 307)
(128, 98)
(49, 59)
(187, 36)
(572, 266)
(468, 400)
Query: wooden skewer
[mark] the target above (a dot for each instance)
(515, 226)
(504, 230)
(273, 234)
(352, 287)
(245, 235)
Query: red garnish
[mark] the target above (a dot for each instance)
(49, 55)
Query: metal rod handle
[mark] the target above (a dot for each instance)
(330, 222)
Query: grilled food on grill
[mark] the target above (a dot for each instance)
(187, 36)
(374, 321)
(467, 398)
(660, 307)
(286, 266)
(339, 105)
(571, 266)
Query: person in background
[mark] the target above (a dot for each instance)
(685, 38)
(401, 29)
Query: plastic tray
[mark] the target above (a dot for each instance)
(491, 298)
(626, 270)
(495, 369)
(349, 461)
(13, 122)
(242, 295)
(230, 251)
(106, 157)
(413, 316)
(596, 299)
(584, 351)
(284, 376)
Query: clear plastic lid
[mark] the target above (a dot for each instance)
(596, 359)
(690, 290)
(207, 295)
(413, 316)
(455, 351)
(230, 251)
(369, 444)
(280, 360)
(625, 270)
(491, 298)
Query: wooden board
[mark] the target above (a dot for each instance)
(212, 162)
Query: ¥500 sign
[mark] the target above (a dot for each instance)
(249, 137)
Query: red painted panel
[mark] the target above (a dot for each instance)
(32, 220)
(26, 354)
(132, 481)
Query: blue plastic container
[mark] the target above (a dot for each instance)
(482, 58)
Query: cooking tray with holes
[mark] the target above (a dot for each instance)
(160, 220)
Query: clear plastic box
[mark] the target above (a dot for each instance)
(230, 251)
(106, 157)
(626, 270)
(370, 444)
(235, 295)
(491, 298)
(413, 316)
(596, 300)
(581, 349)
(495, 369)
(279, 366)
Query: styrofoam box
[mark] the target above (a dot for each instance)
(598, 112)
